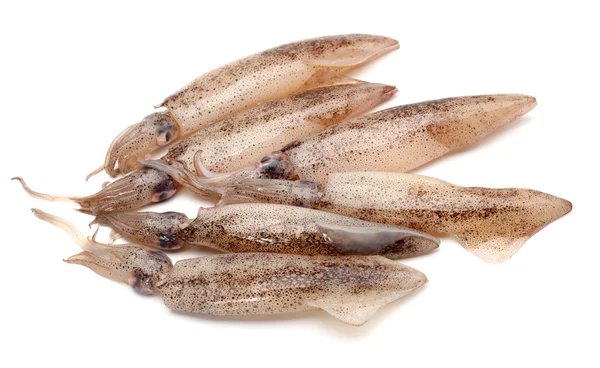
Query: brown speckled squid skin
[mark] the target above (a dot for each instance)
(397, 139)
(270, 75)
(237, 142)
(265, 227)
(349, 288)
(151, 229)
(491, 223)
(405, 137)
(241, 140)
(141, 186)
(242, 84)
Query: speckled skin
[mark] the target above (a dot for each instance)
(270, 75)
(402, 138)
(350, 288)
(258, 78)
(138, 267)
(154, 131)
(397, 139)
(491, 223)
(152, 229)
(142, 186)
(241, 140)
(263, 227)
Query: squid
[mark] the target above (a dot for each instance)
(236, 142)
(242, 84)
(398, 139)
(350, 288)
(271, 228)
(493, 224)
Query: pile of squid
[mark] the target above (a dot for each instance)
(313, 207)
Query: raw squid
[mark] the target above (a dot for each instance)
(237, 142)
(242, 84)
(263, 227)
(242, 140)
(349, 288)
(491, 223)
(397, 139)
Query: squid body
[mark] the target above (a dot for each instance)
(242, 84)
(273, 228)
(237, 142)
(491, 223)
(349, 288)
(398, 139)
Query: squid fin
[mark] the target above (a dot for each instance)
(495, 242)
(492, 249)
(352, 312)
(372, 240)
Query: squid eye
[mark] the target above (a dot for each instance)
(270, 167)
(140, 282)
(168, 241)
(164, 190)
(164, 138)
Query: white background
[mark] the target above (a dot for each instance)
(73, 76)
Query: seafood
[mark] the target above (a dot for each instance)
(263, 227)
(245, 83)
(237, 142)
(397, 139)
(241, 140)
(349, 288)
(491, 223)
